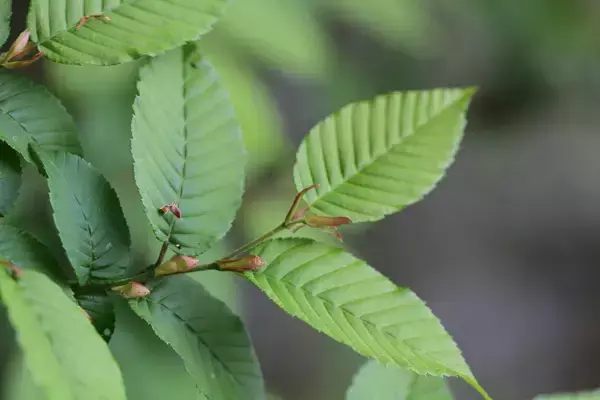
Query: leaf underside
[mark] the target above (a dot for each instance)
(187, 148)
(210, 339)
(10, 178)
(88, 216)
(29, 114)
(65, 356)
(348, 300)
(376, 157)
(376, 381)
(136, 28)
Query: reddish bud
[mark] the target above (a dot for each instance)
(19, 46)
(132, 290)
(177, 263)
(319, 221)
(172, 208)
(24, 63)
(246, 263)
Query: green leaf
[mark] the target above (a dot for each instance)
(348, 300)
(136, 28)
(376, 381)
(255, 108)
(88, 216)
(187, 149)
(151, 369)
(22, 250)
(376, 157)
(401, 23)
(10, 178)
(66, 357)
(29, 114)
(587, 395)
(5, 14)
(288, 36)
(100, 308)
(210, 339)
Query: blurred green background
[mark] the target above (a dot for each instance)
(506, 251)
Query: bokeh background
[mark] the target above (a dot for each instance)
(506, 250)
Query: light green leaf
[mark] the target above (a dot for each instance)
(22, 250)
(187, 149)
(151, 369)
(376, 381)
(343, 297)
(587, 395)
(88, 216)
(101, 310)
(29, 114)
(376, 157)
(5, 14)
(136, 28)
(210, 339)
(10, 178)
(255, 108)
(288, 36)
(401, 23)
(66, 357)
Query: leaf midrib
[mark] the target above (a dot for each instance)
(199, 337)
(376, 158)
(365, 322)
(45, 333)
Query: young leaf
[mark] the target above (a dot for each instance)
(29, 114)
(376, 157)
(88, 216)
(130, 29)
(10, 178)
(376, 381)
(587, 395)
(5, 14)
(348, 300)
(101, 311)
(25, 252)
(65, 356)
(209, 338)
(151, 369)
(187, 149)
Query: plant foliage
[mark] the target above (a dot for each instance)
(371, 159)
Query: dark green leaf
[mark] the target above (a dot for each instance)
(22, 250)
(136, 28)
(187, 149)
(348, 300)
(151, 369)
(375, 381)
(10, 178)
(5, 14)
(101, 309)
(88, 216)
(376, 157)
(65, 356)
(210, 339)
(29, 114)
